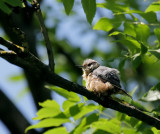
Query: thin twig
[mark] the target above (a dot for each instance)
(45, 34)
(11, 46)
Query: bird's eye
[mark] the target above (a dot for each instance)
(89, 64)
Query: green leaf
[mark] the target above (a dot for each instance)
(22, 93)
(68, 95)
(85, 123)
(153, 94)
(15, 78)
(130, 131)
(89, 7)
(120, 116)
(68, 5)
(155, 6)
(14, 2)
(110, 126)
(113, 6)
(155, 131)
(59, 130)
(138, 105)
(132, 44)
(148, 16)
(142, 32)
(136, 60)
(156, 53)
(149, 58)
(103, 24)
(144, 48)
(67, 104)
(85, 110)
(151, 16)
(75, 109)
(134, 90)
(79, 110)
(50, 122)
(115, 33)
(157, 33)
(5, 8)
(50, 109)
(129, 29)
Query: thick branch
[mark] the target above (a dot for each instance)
(45, 34)
(32, 64)
(12, 117)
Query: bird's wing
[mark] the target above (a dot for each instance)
(108, 74)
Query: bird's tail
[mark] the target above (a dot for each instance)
(122, 91)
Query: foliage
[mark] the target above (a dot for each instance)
(135, 38)
(131, 28)
(5, 5)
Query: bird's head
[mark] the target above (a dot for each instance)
(89, 65)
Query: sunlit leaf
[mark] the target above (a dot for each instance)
(113, 6)
(50, 122)
(80, 110)
(132, 44)
(157, 33)
(68, 95)
(85, 123)
(130, 131)
(18, 77)
(155, 6)
(68, 5)
(67, 104)
(155, 131)
(115, 33)
(59, 130)
(110, 126)
(103, 24)
(149, 58)
(75, 109)
(89, 7)
(153, 94)
(120, 116)
(134, 90)
(50, 109)
(22, 93)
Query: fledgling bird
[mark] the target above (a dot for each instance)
(101, 80)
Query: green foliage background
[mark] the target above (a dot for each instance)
(131, 29)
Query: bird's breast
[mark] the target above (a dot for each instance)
(95, 84)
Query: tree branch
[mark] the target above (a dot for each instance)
(36, 5)
(12, 117)
(35, 66)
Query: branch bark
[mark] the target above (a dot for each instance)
(36, 5)
(12, 117)
(35, 66)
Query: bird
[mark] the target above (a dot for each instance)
(101, 80)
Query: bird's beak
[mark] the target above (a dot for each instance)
(80, 66)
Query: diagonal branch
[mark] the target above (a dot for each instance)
(12, 117)
(36, 5)
(11, 45)
(35, 66)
